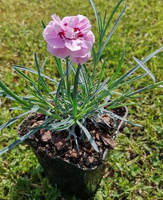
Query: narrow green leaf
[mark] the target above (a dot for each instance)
(75, 91)
(149, 87)
(13, 120)
(5, 95)
(35, 72)
(132, 80)
(18, 108)
(58, 92)
(43, 65)
(98, 89)
(100, 23)
(27, 78)
(111, 16)
(61, 127)
(59, 65)
(72, 133)
(101, 72)
(67, 81)
(114, 76)
(39, 76)
(91, 140)
(104, 20)
(84, 81)
(42, 86)
(87, 72)
(110, 34)
(94, 65)
(145, 68)
(96, 15)
(131, 71)
(121, 105)
(121, 118)
(8, 148)
(43, 24)
(99, 98)
(17, 98)
(46, 112)
(54, 124)
(152, 54)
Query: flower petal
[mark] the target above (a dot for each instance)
(85, 48)
(49, 30)
(84, 24)
(55, 42)
(89, 37)
(73, 22)
(73, 45)
(56, 18)
(81, 59)
(58, 52)
(66, 20)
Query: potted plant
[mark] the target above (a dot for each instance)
(71, 124)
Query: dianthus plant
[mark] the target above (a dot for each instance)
(79, 94)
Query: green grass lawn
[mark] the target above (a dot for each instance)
(135, 165)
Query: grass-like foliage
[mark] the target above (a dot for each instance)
(78, 96)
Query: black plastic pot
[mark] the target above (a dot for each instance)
(72, 180)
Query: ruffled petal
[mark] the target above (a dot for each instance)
(85, 48)
(49, 30)
(89, 37)
(81, 59)
(73, 45)
(59, 52)
(66, 20)
(73, 22)
(53, 39)
(84, 24)
(55, 42)
(56, 18)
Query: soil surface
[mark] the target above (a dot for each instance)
(55, 144)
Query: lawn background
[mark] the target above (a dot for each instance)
(135, 164)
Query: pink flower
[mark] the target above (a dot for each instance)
(70, 36)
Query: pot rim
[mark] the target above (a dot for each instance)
(71, 163)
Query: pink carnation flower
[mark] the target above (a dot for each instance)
(70, 36)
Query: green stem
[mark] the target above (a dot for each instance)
(68, 82)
